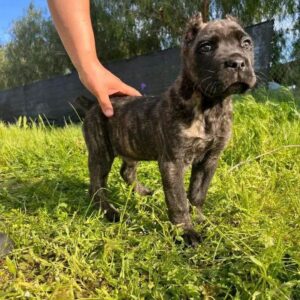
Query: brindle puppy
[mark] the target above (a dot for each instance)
(189, 124)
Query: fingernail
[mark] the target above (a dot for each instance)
(108, 112)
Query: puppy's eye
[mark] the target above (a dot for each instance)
(246, 43)
(206, 47)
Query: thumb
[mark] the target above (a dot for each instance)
(128, 90)
(105, 104)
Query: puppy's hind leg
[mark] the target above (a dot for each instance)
(99, 168)
(100, 161)
(128, 173)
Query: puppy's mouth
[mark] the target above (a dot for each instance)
(237, 88)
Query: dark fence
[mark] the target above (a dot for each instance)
(151, 74)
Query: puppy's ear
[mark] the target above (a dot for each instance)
(233, 19)
(193, 26)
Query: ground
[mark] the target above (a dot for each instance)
(65, 249)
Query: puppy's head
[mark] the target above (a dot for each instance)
(218, 56)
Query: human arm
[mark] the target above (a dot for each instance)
(73, 23)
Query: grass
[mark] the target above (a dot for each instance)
(64, 249)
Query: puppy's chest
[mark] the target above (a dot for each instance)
(208, 131)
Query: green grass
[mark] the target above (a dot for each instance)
(64, 249)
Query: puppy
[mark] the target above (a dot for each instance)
(188, 125)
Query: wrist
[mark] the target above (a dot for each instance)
(92, 75)
(88, 67)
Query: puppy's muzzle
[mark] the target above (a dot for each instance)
(236, 64)
(239, 75)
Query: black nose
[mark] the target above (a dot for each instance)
(236, 64)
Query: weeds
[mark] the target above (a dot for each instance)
(65, 249)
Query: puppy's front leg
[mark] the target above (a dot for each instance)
(178, 209)
(202, 173)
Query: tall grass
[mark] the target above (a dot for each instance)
(64, 249)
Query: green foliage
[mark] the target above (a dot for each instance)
(65, 249)
(283, 94)
(254, 11)
(3, 76)
(138, 27)
(34, 52)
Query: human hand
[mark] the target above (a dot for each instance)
(102, 83)
(73, 23)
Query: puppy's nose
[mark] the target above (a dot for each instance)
(236, 64)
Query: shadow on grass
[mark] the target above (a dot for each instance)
(70, 194)
(48, 193)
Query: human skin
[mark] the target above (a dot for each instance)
(73, 24)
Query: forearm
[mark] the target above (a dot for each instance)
(73, 23)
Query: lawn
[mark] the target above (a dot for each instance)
(65, 249)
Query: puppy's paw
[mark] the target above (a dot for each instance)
(112, 214)
(192, 238)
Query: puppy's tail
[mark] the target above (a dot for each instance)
(83, 104)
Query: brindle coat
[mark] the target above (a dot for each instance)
(189, 124)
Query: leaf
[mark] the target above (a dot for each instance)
(11, 266)
(256, 261)
(63, 292)
(255, 295)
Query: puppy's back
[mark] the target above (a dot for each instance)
(134, 131)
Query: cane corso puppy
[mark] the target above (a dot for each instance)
(188, 125)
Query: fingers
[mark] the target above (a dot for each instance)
(105, 104)
(128, 90)
(102, 83)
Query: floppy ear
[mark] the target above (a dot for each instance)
(193, 26)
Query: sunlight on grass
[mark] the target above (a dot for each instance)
(65, 249)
